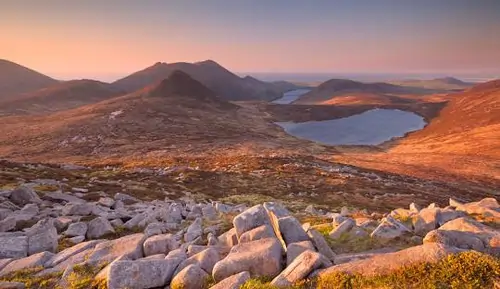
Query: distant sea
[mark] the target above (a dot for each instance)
(366, 77)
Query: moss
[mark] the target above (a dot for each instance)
(468, 270)
(83, 275)
(31, 280)
(121, 231)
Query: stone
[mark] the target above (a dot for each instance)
(261, 258)
(209, 212)
(291, 230)
(382, 264)
(116, 223)
(12, 246)
(194, 230)
(107, 202)
(67, 253)
(389, 229)
(426, 221)
(59, 196)
(487, 208)
(261, 232)
(35, 260)
(415, 208)
(8, 224)
(129, 246)
(191, 277)
(152, 257)
(125, 198)
(233, 282)
(160, 244)
(4, 213)
(446, 215)
(76, 229)
(321, 244)
(144, 273)
(467, 233)
(342, 228)
(229, 238)
(295, 249)
(206, 259)
(42, 237)
(83, 209)
(62, 223)
(23, 196)
(222, 208)
(76, 239)
(279, 210)
(5, 262)
(212, 240)
(299, 269)
(251, 218)
(155, 228)
(99, 227)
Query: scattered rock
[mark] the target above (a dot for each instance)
(76, 229)
(295, 249)
(191, 277)
(160, 244)
(251, 218)
(321, 244)
(300, 268)
(144, 273)
(389, 228)
(342, 228)
(129, 246)
(261, 232)
(32, 261)
(233, 282)
(23, 196)
(291, 230)
(12, 246)
(194, 230)
(206, 259)
(99, 227)
(42, 237)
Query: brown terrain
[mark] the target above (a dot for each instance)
(223, 82)
(60, 96)
(217, 148)
(462, 141)
(16, 79)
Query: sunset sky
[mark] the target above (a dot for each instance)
(111, 38)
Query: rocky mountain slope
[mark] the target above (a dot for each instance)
(61, 96)
(462, 139)
(53, 235)
(220, 80)
(15, 79)
(445, 83)
(176, 115)
(344, 91)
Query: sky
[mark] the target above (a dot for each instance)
(112, 38)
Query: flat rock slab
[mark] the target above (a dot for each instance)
(32, 261)
(233, 282)
(129, 246)
(145, 273)
(12, 246)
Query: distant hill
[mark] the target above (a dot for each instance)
(445, 83)
(224, 83)
(60, 96)
(177, 114)
(15, 79)
(345, 91)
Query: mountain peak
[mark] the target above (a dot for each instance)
(180, 83)
(208, 62)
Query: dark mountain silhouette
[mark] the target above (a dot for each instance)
(15, 79)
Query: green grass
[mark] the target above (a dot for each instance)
(83, 275)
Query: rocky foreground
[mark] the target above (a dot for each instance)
(60, 240)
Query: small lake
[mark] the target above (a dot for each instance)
(371, 127)
(289, 97)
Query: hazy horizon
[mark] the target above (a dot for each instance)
(108, 40)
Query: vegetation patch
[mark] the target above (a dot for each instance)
(31, 280)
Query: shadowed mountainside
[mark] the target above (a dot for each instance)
(224, 83)
(445, 83)
(15, 79)
(61, 96)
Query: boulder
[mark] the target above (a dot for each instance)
(23, 196)
(80, 209)
(426, 220)
(129, 246)
(389, 228)
(299, 269)
(279, 210)
(261, 258)
(209, 212)
(389, 262)
(62, 223)
(76, 229)
(99, 227)
(160, 244)
(487, 208)
(291, 230)
(467, 233)
(206, 259)
(59, 196)
(42, 237)
(8, 224)
(261, 232)
(233, 282)
(12, 246)
(229, 238)
(251, 218)
(293, 250)
(342, 228)
(144, 273)
(106, 202)
(446, 215)
(4, 262)
(194, 230)
(35, 260)
(155, 228)
(321, 244)
(11, 285)
(67, 253)
(76, 239)
(191, 277)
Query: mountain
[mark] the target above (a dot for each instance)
(224, 83)
(60, 96)
(462, 141)
(445, 83)
(345, 91)
(177, 115)
(15, 79)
